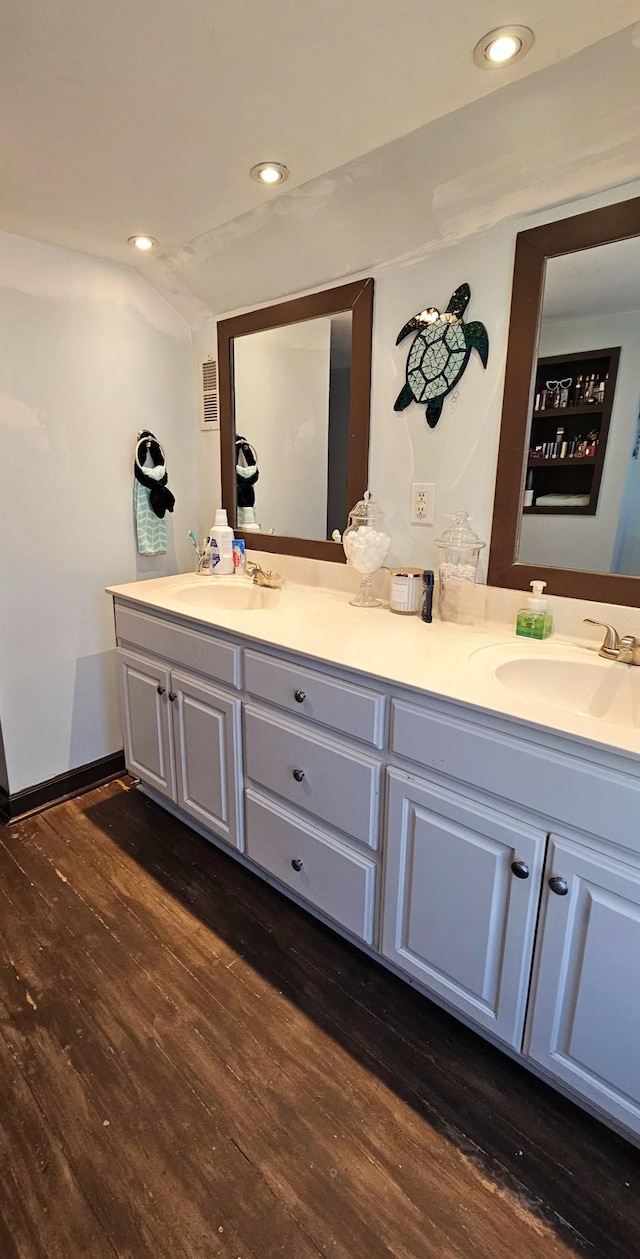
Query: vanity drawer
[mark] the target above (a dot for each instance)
(352, 709)
(203, 653)
(338, 784)
(594, 798)
(339, 881)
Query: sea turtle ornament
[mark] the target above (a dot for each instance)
(440, 353)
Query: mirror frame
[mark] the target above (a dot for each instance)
(356, 297)
(533, 248)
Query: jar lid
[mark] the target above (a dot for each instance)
(366, 508)
(460, 534)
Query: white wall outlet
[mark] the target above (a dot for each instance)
(423, 503)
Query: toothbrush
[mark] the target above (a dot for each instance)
(194, 540)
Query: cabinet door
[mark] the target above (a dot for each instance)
(148, 740)
(206, 727)
(585, 1020)
(456, 916)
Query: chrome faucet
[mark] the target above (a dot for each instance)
(262, 578)
(626, 650)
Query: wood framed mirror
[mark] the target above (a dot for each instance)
(295, 383)
(575, 317)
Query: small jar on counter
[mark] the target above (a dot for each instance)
(405, 591)
(460, 548)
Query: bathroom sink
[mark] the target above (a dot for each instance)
(207, 595)
(571, 678)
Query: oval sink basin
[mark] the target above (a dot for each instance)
(207, 595)
(566, 677)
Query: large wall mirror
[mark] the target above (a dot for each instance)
(295, 382)
(567, 504)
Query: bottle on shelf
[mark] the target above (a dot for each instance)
(576, 397)
(528, 493)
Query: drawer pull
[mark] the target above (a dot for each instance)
(298, 774)
(299, 697)
(520, 869)
(559, 886)
(296, 863)
(161, 690)
(172, 696)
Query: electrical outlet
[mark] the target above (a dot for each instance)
(423, 502)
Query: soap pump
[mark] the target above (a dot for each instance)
(536, 620)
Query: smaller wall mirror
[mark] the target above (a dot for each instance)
(295, 383)
(567, 505)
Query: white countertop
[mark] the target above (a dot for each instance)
(437, 659)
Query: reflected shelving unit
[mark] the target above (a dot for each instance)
(569, 431)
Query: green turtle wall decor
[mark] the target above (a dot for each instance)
(440, 353)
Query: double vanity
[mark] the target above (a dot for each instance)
(463, 804)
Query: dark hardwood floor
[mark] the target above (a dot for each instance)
(190, 1066)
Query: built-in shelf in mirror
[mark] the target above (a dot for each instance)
(567, 502)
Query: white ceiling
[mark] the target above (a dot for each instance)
(145, 115)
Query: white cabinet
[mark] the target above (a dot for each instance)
(334, 876)
(324, 776)
(460, 903)
(147, 726)
(585, 1020)
(182, 737)
(452, 891)
(305, 784)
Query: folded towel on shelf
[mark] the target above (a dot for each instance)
(562, 500)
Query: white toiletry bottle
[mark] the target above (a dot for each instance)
(220, 547)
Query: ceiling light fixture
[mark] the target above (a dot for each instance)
(269, 173)
(143, 243)
(502, 47)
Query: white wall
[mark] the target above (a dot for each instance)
(282, 408)
(91, 353)
(588, 541)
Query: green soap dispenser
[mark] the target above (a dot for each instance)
(536, 620)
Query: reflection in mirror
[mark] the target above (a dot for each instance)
(582, 488)
(295, 383)
(292, 388)
(567, 501)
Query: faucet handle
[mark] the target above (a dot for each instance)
(611, 641)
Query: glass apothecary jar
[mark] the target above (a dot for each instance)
(366, 546)
(460, 548)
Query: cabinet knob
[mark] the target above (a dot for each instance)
(161, 690)
(299, 697)
(520, 869)
(296, 863)
(298, 774)
(559, 886)
(172, 696)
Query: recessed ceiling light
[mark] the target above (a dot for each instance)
(143, 243)
(502, 47)
(269, 173)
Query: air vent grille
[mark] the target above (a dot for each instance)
(210, 410)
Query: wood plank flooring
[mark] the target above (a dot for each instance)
(191, 1066)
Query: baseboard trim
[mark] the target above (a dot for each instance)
(72, 783)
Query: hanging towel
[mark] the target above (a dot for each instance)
(151, 496)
